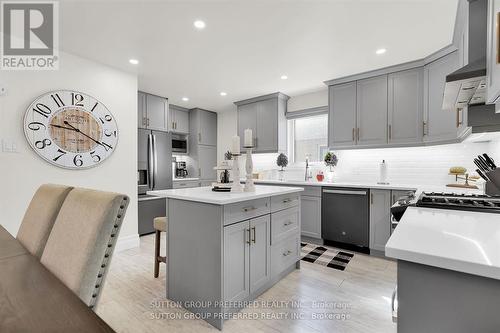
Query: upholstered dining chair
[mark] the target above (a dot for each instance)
(82, 241)
(40, 217)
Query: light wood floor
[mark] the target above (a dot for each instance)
(132, 298)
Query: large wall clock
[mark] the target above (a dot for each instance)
(70, 129)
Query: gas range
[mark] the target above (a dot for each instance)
(443, 200)
(470, 202)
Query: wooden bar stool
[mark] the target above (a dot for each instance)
(160, 225)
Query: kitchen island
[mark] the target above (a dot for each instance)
(225, 249)
(448, 270)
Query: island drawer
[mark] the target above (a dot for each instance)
(284, 254)
(284, 201)
(284, 224)
(246, 210)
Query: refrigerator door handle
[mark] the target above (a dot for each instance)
(150, 162)
(155, 160)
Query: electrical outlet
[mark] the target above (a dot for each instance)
(9, 146)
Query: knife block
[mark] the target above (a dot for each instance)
(493, 186)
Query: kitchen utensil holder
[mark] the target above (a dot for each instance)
(493, 186)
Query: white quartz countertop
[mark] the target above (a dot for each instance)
(206, 195)
(185, 179)
(462, 241)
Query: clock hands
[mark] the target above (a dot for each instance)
(72, 128)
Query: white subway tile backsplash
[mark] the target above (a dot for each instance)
(410, 165)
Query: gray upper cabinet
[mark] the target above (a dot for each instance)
(247, 118)
(260, 252)
(236, 262)
(207, 160)
(265, 115)
(380, 219)
(371, 97)
(141, 110)
(152, 112)
(405, 106)
(492, 57)
(203, 144)
(178, 119)
(439, 124)
(156, 108)
(207, 128)
(342, 115)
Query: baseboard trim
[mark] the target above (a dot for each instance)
(127, 242)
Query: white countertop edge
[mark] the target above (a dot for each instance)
(235, 197)
(389, 186)
(444, 263)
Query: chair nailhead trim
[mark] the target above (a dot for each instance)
(107, 256)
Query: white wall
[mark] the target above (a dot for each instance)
(309, 100)
(23, 172)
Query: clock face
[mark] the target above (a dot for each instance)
(70, 129)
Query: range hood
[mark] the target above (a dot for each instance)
(467, 85)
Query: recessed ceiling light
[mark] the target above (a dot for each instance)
(133, 61)
(284, 77)
(185, 99)
(380, 51)
(199, 24)
(222, 93)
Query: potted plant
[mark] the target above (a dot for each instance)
(331, 161)
(282, 161)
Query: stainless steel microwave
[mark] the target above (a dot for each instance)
(179, 144)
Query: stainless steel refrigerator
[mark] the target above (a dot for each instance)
(154, 172)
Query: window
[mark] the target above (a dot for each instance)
(308, 137)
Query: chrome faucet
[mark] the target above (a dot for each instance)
(308, 174)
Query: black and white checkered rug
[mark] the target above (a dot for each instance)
(328, 257)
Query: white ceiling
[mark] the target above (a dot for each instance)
(248, 45)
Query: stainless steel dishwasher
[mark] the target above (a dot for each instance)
(345, 217)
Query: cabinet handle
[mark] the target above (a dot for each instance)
(254, 235)
(147, 122)
(287, 253)
(458, 118)
(358, 133)
(287, 223)
(287, 200)
(247, 234)
(390, 132)
(371, 198)
(353, 134)
(199, 137)
(423, 128)
(248, 209)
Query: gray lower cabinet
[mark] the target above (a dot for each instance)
(247, 257)
(265, 116)
(148, 209)
(311, 216)
(371, 97)
(405, 106)
(260, 252)
(236, 262)
(380, 219)
(342, 115)
(441, 125)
